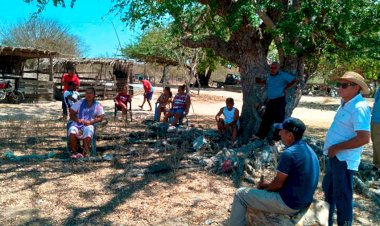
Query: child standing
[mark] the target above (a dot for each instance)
(70, 96)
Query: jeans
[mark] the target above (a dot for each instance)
(274, 113)
(338, 189)
(64, 107)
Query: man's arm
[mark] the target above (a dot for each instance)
(276, 184)
(261, 81)
(291, 84)
(361, 138)
(217, 116)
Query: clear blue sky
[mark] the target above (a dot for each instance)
(84, 20)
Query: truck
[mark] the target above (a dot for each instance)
(231, 79)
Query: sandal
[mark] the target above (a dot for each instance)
(76, 156)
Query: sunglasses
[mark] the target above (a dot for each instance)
(344, 85)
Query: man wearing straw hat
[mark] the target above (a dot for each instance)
(344, 142)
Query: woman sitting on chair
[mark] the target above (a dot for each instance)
(164, 102)
(122, 100)
(180, 106)
(84, 114)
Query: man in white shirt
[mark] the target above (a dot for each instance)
(344, 142)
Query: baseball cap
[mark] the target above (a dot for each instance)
(294, 125)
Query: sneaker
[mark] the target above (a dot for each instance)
(171, 129)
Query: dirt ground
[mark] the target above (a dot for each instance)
(57, 191)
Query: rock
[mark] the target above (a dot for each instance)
(316, 214)
(108, 157)
(209, 222)
(199, 142)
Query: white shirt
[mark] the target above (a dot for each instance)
(353, 116)
(97, 112)
(73, 94)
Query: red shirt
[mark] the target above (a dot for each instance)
(67, 78)
(147, 86)
(123, 98)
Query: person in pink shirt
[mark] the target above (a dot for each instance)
(148, 92)
(70, 76)
(122, 100)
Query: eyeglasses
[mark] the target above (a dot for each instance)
(344, 85)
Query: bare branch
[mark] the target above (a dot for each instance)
(270, 24)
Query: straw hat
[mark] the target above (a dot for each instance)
(357, 79)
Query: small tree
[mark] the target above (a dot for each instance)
(42, 34)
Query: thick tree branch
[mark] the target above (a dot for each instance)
(270, 24)
(220, 47)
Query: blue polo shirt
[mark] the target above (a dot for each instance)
(277, 83)
(301, 165)
(376, 108)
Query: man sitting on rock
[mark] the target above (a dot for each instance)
(84, 114)
(293, 187)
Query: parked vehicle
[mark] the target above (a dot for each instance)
(8, 92)
(231, 79)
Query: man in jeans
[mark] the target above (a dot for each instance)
(293, 187)
(344, 145)
(276, 85)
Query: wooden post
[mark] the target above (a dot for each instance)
(51, 75)
(51, 72)
(38, 65)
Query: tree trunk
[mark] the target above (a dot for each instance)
(253, 94)
(204, 78)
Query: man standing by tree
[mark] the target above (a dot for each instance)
(148, 92)
(344, 144)
(375, 126)
(70, 76)
(293, 187)
(276, 85)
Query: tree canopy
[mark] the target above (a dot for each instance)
(42, 34)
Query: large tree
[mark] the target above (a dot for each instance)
(242, 31)
(42, 34)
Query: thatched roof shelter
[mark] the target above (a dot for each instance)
(108, 75)
(24, 53)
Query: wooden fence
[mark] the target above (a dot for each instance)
(36, 90)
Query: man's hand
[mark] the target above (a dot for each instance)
(262, 185)
(332, 151)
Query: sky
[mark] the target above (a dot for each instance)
(87, 19)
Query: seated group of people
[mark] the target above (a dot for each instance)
(85, 112)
